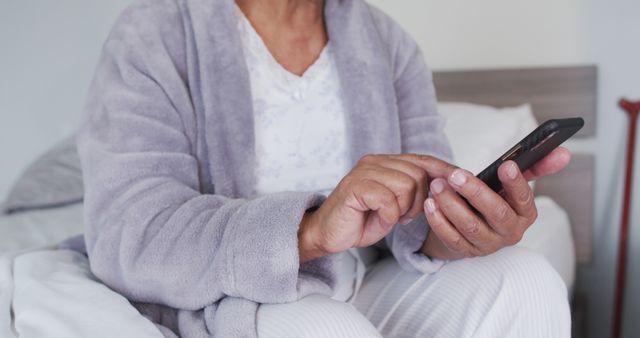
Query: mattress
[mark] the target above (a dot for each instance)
(53, 291)
(551, 236)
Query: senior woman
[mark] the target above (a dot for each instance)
(232, 191)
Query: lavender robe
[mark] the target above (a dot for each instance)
(167, 150)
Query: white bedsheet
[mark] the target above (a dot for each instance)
(28, 230)
(52, 293)
(57, 296)
(551, 236)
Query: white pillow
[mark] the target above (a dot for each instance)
(478, 134)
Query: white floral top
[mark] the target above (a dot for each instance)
(300, 132)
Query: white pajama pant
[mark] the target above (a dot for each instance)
(511, 293)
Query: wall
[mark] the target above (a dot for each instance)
(614, 43)
(505, 33)
(48, 50)
(492, 33)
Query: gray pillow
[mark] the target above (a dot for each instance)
(54, 179)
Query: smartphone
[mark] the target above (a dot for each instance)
(538, 144)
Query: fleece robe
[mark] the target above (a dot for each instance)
(167, 150)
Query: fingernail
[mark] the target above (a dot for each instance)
(430, 205)
(458, 177)
(512, 171)
(437, 186)
(406, 220)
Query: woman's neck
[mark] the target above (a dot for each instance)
(297, 14)
(293, 30)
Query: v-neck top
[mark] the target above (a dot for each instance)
(300, 127)
(300, 133)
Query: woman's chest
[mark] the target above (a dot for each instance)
(300, 128)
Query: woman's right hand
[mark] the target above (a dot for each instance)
(379, 192)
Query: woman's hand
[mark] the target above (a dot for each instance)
(379, 192)
(497, 221)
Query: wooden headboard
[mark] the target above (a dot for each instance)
(552, 92)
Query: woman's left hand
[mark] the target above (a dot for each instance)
(499, 220)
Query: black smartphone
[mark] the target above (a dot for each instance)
(538, 144)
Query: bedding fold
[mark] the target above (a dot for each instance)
(55, 295)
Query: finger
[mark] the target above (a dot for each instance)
(462, 217)
(557, 160)
(432, 165)
(383, 206)
(420, 176)
(402, 185)
(516, 190)
(373, 196)
(496, 211)
(447, 233)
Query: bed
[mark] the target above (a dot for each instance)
(45, 292)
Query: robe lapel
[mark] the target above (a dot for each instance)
(366, 79)
(227, 103)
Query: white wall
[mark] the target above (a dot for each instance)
(459, 34)
(492, 33)
(48, 50)
(614, 42)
